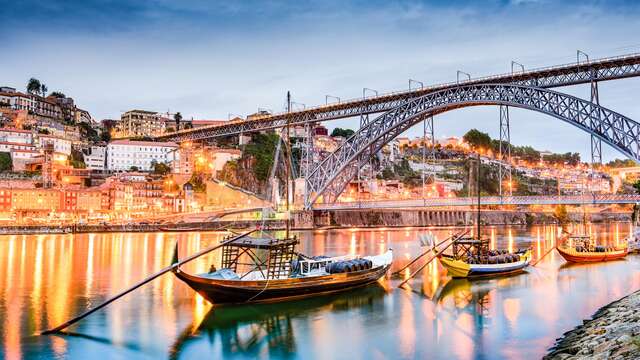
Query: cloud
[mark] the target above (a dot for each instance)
(208, 59)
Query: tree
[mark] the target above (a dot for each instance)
(5, 162)
(34, 86)
(105, 136)
(636, 186)
(197, 181)
(345, 133)
(561, 215)
(161, 168)
(477, 139)
(43, 90)
(58, 94)
(134, 169)
(177, 117)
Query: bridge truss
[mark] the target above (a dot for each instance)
(556, 76)
(331, 176)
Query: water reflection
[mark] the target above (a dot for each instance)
(256, 330)
(44, 280)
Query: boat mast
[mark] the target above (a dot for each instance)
(287, 159)
(478, 195)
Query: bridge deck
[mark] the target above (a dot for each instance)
(595, 199)
(554, 76)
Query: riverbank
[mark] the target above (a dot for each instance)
(612, 333)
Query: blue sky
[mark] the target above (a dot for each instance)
(208, 59)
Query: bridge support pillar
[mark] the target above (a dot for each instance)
(596, 142)
(504, 154)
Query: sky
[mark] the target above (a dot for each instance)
(216, 59)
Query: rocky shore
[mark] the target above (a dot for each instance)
(612, 333)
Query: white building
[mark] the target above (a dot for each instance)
(96, 157)
(122, 155)
(16, 136)
(60, 145)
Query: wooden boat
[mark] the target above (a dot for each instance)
(276, 273)
(580, 249)
(472, 259)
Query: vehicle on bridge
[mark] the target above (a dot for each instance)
(276, 272)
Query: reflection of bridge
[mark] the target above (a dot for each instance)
(401, 110)
(485, 200)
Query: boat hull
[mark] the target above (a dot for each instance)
(219, 291)
(573, 256)
(461, 269)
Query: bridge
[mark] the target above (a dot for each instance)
(399, 111)
(580, 72)
(594, 199)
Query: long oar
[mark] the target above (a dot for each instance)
(148, 279)
(428, 251)
(542, 257)
(430, 260)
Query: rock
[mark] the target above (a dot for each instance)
(624, 339)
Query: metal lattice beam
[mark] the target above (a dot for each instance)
(330, 177)
(504, 151)
(556, 76)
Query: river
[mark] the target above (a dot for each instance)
(46, 279)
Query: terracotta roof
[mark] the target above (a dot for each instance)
(15, 130)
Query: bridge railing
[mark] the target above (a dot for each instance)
(481, 79)
(486, 200)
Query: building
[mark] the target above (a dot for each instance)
(140, 123)
(95, 157)
(122, 155)
(60, 145)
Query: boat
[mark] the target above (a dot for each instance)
(268, 269)
(472, 257)
(274, 271)
(581, 249)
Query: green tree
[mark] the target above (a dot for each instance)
(134, 169)
(177, 117)
(43, 90)
(197, 181)
(262, 149)
(160, 168)
(477, 139)
(33, 86)
(618, 163)
(345, 133)
(105, 135)
(58, 94)
(5, 162)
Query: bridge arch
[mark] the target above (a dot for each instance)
(332, 174)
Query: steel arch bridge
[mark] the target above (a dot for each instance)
(331, 176)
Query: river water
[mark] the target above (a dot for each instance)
(46, 279)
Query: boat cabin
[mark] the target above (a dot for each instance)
(258, 258)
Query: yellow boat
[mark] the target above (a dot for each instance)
(457, 268)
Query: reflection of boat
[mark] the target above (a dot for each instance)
(275, 272)
(580, 249)
(250, 329)
(472, 257)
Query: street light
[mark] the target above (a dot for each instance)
(580, 52)
(463, 73)
(513, 63)
(417, 82)
(327, 97)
